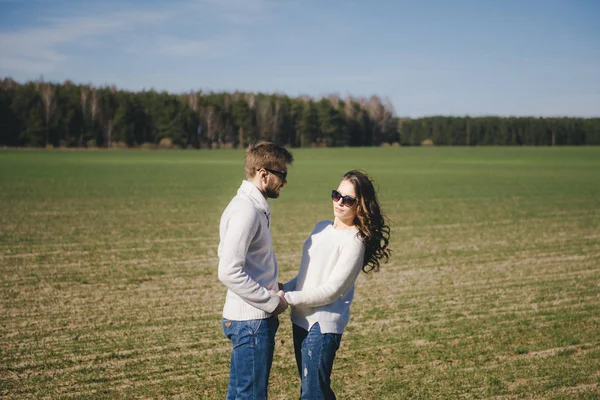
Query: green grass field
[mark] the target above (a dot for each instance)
(109, 282)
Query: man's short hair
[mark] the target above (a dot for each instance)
(266, 155)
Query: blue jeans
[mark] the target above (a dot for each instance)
(315, 352)
(253, 343)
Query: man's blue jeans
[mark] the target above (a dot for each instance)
(315, 353)
(253, 343)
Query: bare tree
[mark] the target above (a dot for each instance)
(210, 115)
(305, 98)
(334, 99)
(376, 113)
(226, 123)
(95, 106)
(251, 100)
(85, 93)
(48, 95)
(193, 104)
(193, 101)
(349, 107)
(109, 110)
(264, 118)
(277, 119)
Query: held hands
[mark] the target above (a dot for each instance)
(283, 304)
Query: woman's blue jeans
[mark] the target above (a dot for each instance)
(315, 353)
(252, 343)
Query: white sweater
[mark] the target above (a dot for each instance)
(247, 264)
(324, 287)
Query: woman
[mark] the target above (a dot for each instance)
(321, 293)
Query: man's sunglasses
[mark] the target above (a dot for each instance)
(280, 174)
(346, 200)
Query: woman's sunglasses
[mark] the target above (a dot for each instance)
(346, 200)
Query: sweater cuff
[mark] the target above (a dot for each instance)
(289, 297)
(272, 304)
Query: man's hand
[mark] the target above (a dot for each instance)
(283, 304)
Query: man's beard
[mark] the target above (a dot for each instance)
(271, 193)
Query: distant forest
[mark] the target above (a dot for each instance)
(44, 114)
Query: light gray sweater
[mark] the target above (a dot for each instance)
(324, 287)
(247, 263)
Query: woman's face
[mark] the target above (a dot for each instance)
(341, 211)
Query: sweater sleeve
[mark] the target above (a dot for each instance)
(341, 279)
(240, 228)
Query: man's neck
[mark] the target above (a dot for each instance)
(256, 181)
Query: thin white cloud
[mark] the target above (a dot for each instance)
(29, 50)
(45, 48)
(171, 46)
(38, 49)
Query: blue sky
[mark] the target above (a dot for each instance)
(429, 57)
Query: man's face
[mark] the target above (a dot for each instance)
(275, 181)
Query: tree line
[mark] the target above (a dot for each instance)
(45, 114)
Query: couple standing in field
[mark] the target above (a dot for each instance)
(321, 293)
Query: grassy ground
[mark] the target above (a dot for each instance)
(109, 282)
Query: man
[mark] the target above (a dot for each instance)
(248, 267)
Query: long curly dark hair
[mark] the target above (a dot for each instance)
(370, 221)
